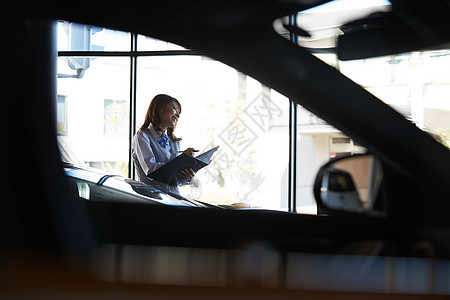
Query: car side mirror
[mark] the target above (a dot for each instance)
(338, 191)
(348, 184)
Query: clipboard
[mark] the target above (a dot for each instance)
(167, 173)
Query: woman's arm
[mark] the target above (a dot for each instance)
(144, 154)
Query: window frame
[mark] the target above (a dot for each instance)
(134, 54)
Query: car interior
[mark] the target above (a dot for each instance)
(381, 228)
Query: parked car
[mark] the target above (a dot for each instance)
(94, 185)
(97, 185)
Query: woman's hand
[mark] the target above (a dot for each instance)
(190, 151)
(188, 174)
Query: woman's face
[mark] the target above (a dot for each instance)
(169, 115)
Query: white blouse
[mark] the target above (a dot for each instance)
(143, 151)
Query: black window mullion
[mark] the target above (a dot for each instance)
(133, 84)
(292, 184)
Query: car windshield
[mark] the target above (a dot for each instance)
(415, 84)
(102, 103)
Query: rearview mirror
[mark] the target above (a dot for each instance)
(349, 184)
(387, 33)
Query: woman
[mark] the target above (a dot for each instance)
(155, 143)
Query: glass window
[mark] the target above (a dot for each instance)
(81, 37)
(115, 121)
(317, 142)
(416, 84)
(97, 129)
(61, 115)
(146, 43)
(221, 106)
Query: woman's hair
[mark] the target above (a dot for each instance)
(156, 105)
